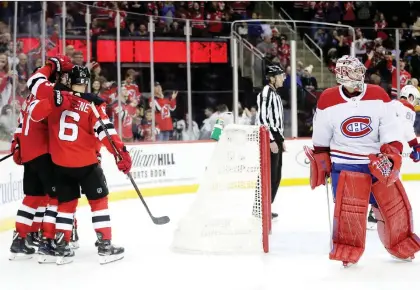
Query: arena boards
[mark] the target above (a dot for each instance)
(166, 169)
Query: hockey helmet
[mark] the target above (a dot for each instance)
(411, 93)
(273, 70)
(79, 75)
(350, 72)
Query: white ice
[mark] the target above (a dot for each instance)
(298, 257)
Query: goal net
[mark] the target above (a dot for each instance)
(232, 210)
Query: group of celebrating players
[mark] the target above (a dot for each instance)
(357, 136)
(58, 142)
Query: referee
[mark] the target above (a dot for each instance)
(270, 114)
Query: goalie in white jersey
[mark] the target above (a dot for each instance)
(356, 138)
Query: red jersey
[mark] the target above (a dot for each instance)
(145, 130)
(284, 51)
(239, 7)
(214, 21)
(164, 107)
(133, 92)
(33, 133)
(34, 136)
(73, 134)
(127, 120)
(197, 18)
(404, 77)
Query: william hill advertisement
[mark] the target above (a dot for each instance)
(163, 165)
(151, 165)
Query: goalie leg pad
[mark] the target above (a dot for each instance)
(395, 221)
(350, 212)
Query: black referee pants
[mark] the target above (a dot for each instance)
(276, 164)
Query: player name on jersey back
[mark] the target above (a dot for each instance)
(72, 136)
(355, 127)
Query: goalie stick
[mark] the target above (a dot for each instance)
(157, 220)
(327, 187)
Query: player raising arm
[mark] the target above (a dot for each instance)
(73, 135)
(356, 138)
(30, 147)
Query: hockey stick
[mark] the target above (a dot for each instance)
(327, 187)
(157, 220)
(10, 155)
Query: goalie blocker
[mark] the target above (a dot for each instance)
(376, 183)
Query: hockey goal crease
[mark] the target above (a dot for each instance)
(231, 212)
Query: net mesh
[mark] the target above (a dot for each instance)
(227, 214)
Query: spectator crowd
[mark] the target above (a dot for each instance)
(375, 41)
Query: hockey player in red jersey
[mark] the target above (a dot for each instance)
(356, 137)
(73, 135)
(30, 147)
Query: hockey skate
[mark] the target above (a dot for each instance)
(34, 239)
(20, 249)
(347, 265)
(274, 216)
(74, 242)
(107, 252)
(64, 253)
(403, 260)
(47, 251)
(372, 222)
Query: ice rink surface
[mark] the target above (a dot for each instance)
(298, 257)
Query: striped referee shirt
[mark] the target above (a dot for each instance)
(270, 112)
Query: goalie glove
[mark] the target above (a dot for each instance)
(386, 165)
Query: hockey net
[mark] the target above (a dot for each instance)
(232, 210)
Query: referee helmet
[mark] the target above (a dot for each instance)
(273, 70)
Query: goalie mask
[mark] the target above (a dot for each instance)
(411, 93)
(350, 73)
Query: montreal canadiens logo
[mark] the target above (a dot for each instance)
(356, 126)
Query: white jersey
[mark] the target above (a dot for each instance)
(406, 115)
(355, 127)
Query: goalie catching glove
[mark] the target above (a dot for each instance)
(386, 165)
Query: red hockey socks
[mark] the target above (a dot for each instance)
(64, 220)
(39, 215)
(101, 219)
(48, 225)
(26, 214)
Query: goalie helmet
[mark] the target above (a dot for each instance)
(79, 75)
(350, 72)
(411, 93)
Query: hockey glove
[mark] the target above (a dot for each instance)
(91, 98)
(320, 166)
(60, 64)
(99, 157)
(65, 100)
(415, 154)
(124, 164)
(386, 165)
(15, 149)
